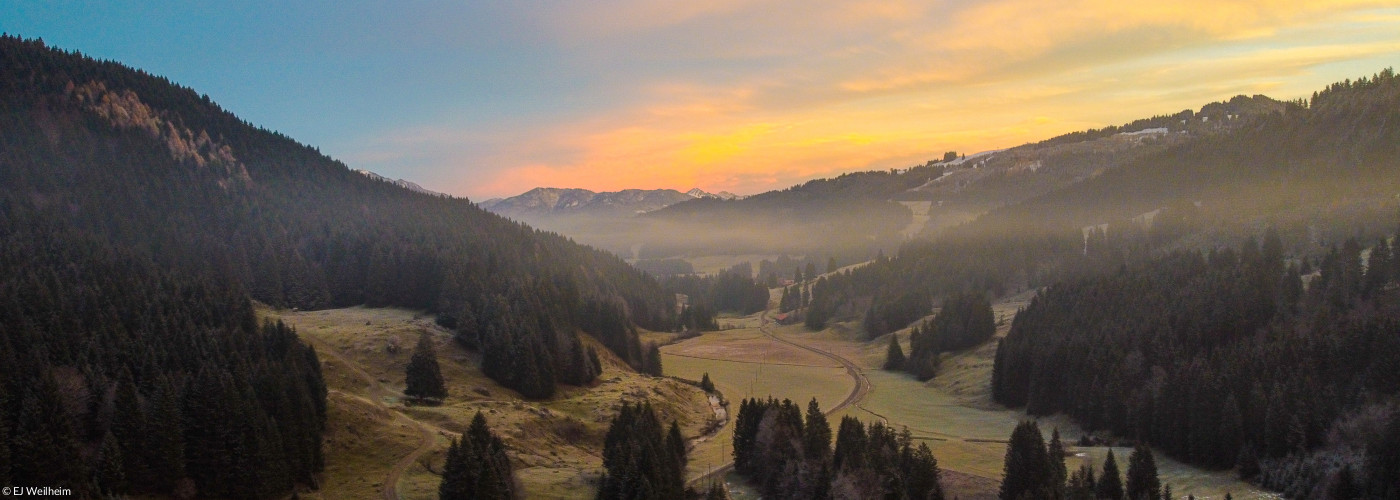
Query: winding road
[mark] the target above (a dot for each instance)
(858, 392)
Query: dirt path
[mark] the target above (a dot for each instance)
(379, 393)
(861, 389)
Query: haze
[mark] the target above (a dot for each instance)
(486, 99)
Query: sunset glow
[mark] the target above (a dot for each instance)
(744, 96)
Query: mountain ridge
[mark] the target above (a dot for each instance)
(542, 201)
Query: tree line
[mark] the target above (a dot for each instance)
(789, 457)
(120, 378)
(964, 321)
(135, 160)
(1225, 360)
(1036, 470)
(641, 460)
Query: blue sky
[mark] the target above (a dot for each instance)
(488, 99)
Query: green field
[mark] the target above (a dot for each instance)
(953, 413)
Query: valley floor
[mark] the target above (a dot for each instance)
(953, 413)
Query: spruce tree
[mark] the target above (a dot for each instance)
(652, 360)
(894, 356)
(1026, 467)
(1058, 475)
(456, 480)
(1081, 485)
(165, 443)
(1110, 486)
(1142, 474)
(716, 492)
(424, 377)
(706, 384)
(1167, 492)
(129, 434)
(675, 443)
(110, 478)
(816, 437)
(477, 466)
(1382, 459)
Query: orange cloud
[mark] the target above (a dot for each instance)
(787, 91)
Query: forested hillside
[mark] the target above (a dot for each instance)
(1318, 172)
(1225, 360)
(138, 220)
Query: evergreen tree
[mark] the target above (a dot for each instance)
(1344, 485)
(653, 360)
(831, 265)
(129, 435)
(816, 437)
(165, 443)
(1081, 485)
(110, 478)
(676, 444)
(1026, 469)
(1058, 474)
(894, 356)
(424, 378)
(1110, 485)
(716, 492)
(476, 466)
(1142, 474)
(456, 476)
(1247, 465)
(1167, 492)
(1383, 460)
(637, 461)
(706, 384)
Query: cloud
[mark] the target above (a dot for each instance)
(755, 95)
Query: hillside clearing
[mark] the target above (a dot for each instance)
(554, 445)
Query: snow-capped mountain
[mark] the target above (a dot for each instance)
(566, 201)
(400, 183)
(723, 195)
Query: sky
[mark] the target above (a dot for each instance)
(488, 99)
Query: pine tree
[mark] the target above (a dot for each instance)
(706, 384)
(477, 466)
(1081, 485)
(1383, 459)
(716, 493)
(129, 434)
(456, 479)
(676, 444)
(816, 437)
(1026, 469)
(1344, 485)
(894, 356)
(110, 478)
(1167, 492)
(1110, 486)
(653, 360)
(1142, 474)
(1056, 455)
(424, 377)
(165, 443)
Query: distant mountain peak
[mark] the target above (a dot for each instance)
(411, 186)
(723, 195)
